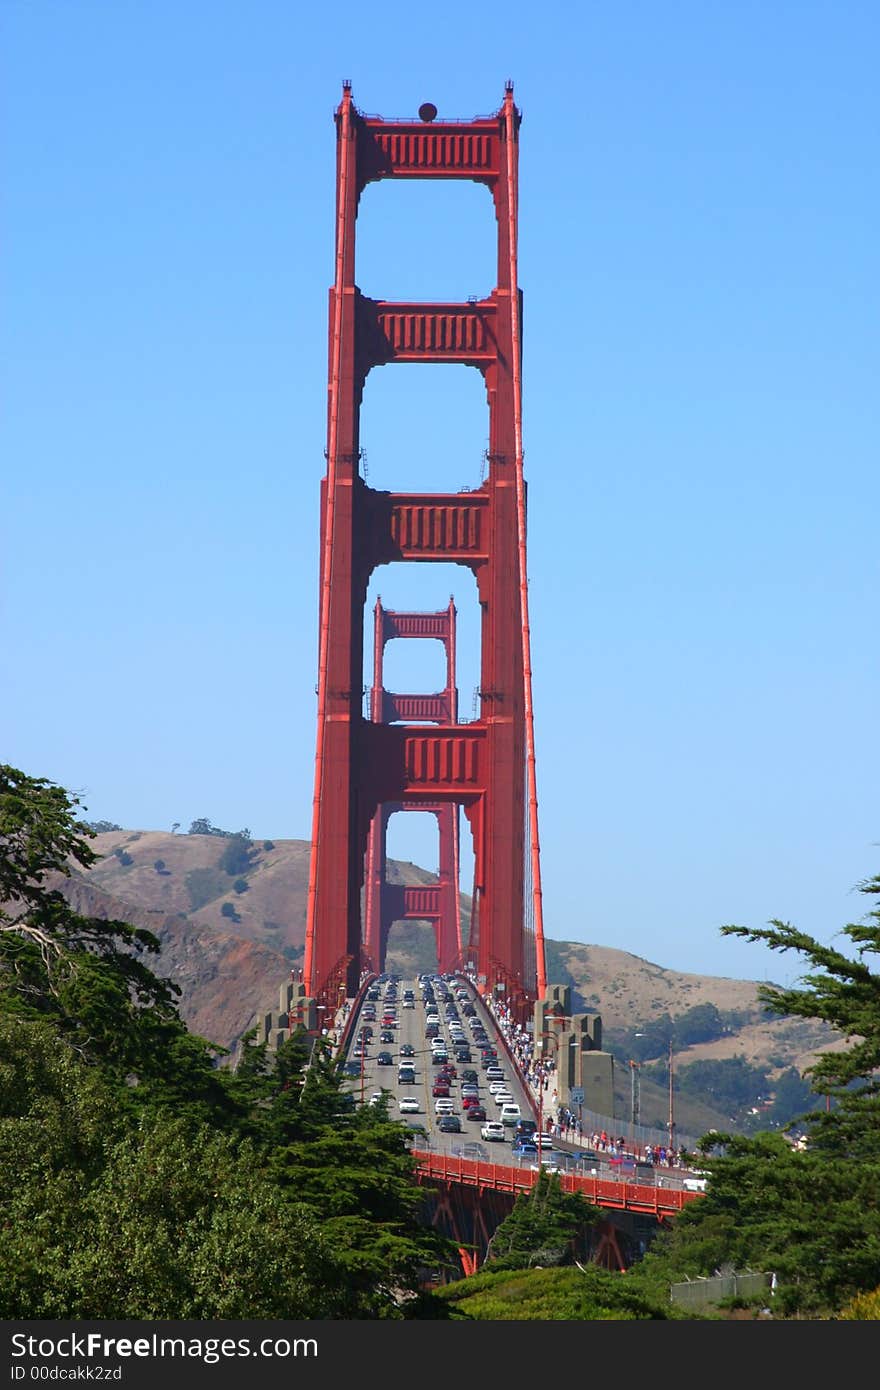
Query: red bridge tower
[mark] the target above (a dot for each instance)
(486, 767)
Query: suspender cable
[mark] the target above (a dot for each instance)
(535, 850)
(312, 983)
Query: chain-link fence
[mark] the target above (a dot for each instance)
(701, 1293)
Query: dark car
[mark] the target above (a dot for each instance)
(522, 1128)
(385, 1060)
(475, 1112)
(387, 1035)
(470, 1075)
(463, 1054)
(366, 1032)
(439, 1059)
(449, 1124)
(407, 1050)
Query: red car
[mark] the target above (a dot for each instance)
(475, 1112)
(468, 1102)
(440, 1088)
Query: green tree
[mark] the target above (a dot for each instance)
(700, 1024)
(140, 1179)
(792, 1097)
(546, 1227)
(237, 855)
(727, 1083)
(811, 1217)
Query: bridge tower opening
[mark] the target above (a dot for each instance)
(364, 765)
(384, 902)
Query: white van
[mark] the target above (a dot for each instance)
(510, 1113)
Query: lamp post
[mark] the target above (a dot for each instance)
(635, 1089)
(671, 1122)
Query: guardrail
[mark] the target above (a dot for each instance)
(603, 1192)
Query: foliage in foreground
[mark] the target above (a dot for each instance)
(546, 1227)
(574, 1294)
(811, 1217)
(138, 1179)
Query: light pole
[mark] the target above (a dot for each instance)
(671, 1123)
(635, 1089)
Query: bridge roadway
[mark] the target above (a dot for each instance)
(368, 1077)
(453, 1155)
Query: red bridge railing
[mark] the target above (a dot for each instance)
(602, 1192)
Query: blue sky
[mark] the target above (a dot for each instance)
(698, 254)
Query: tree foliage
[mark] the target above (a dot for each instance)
(812, 1217)
(546, 1227)
(140, 1179)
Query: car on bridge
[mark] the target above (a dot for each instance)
(475, 1112)
(449, 1124)
(408, 1105)
(385, 1059)
(493, 1129)
(440, 1088)
(525, 1150)
(407, 1050)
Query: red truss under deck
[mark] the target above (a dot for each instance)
(486, 767)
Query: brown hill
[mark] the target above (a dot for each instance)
(231, 932)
